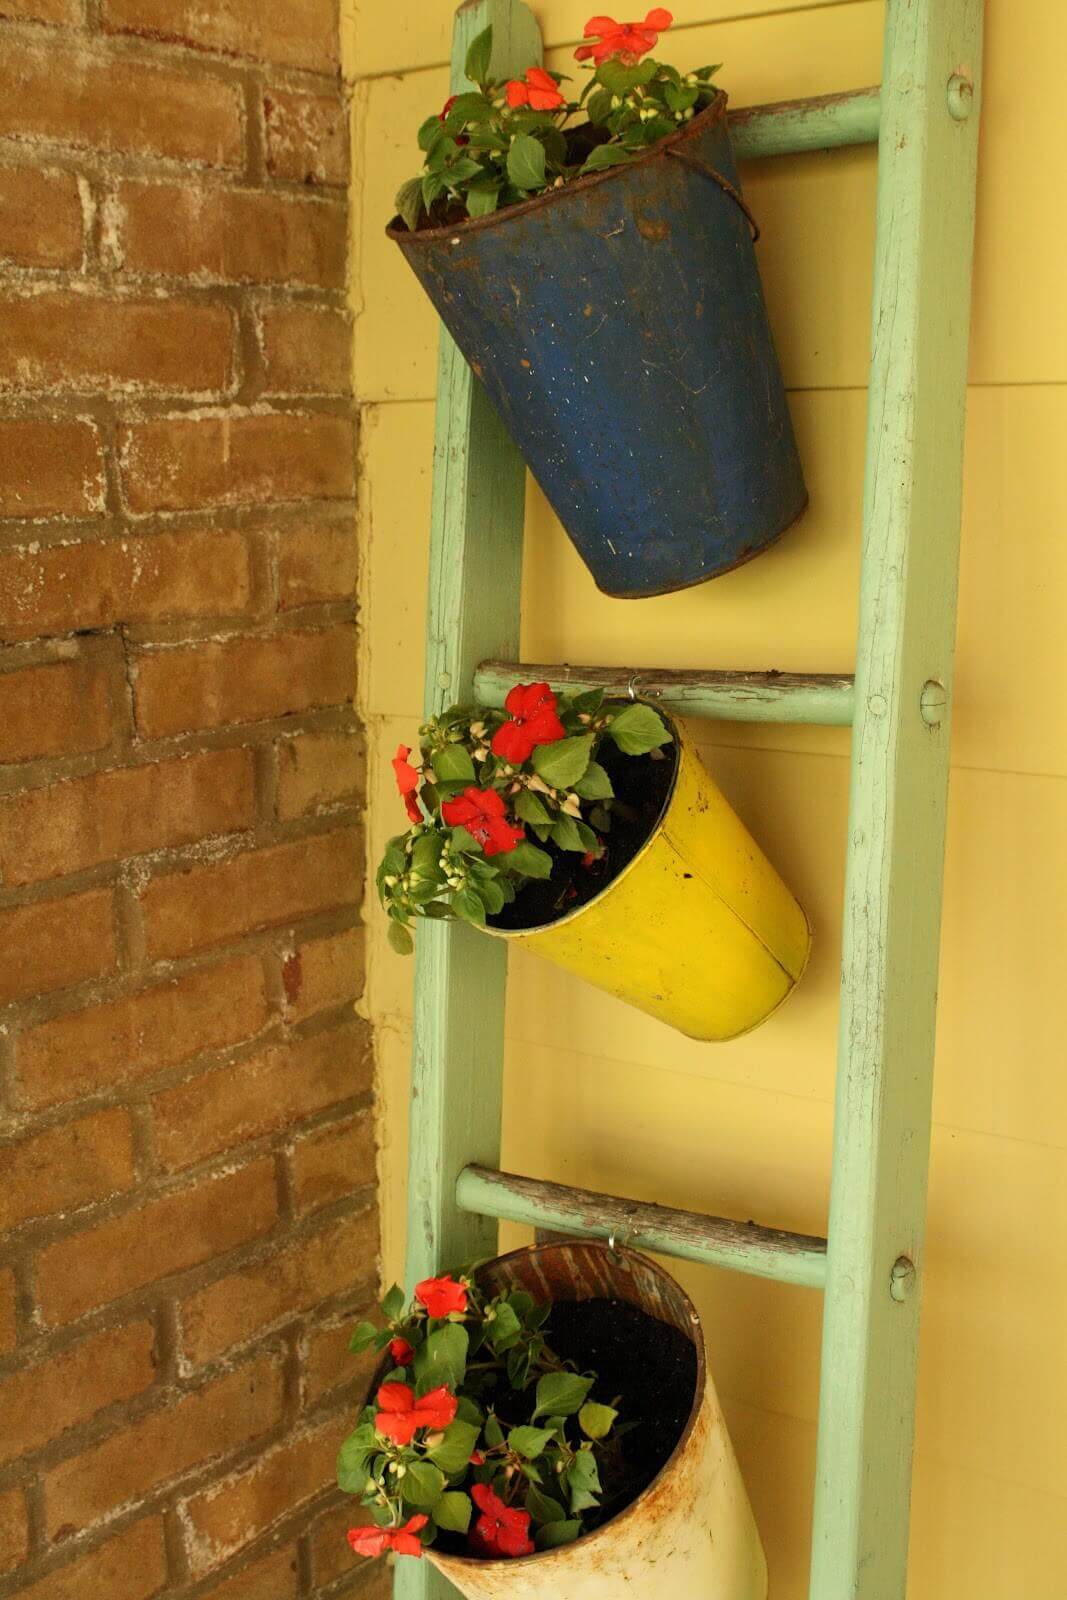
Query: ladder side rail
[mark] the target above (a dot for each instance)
(477, 524)
(900, 767)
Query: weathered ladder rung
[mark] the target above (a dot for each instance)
(810, 697)
(790, 127)
(714, 1241)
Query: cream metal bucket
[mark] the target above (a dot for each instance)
(691, 1535)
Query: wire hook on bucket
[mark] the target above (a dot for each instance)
(631, 687)
(616, 1258)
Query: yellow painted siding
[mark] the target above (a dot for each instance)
(598, 1093)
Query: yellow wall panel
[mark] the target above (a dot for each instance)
(596, 1093)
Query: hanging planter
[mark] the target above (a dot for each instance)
(555, 1494)
(642, 879)
(601, 280)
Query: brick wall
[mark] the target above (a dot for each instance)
(187, 1218)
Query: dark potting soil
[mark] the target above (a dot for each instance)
(642, 787)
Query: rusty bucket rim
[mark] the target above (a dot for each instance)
(601, 895)
(407, 239)
(700, 1390)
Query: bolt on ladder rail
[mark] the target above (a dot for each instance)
(924, 122)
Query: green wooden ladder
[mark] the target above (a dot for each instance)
(924, 121)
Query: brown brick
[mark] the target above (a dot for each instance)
(39, 1403)
(306, 350)
(8, 1324)
(316, 563)
(328, 1165)
(329, 1364)
(42, 10)
(55, 943)
(41, 222)
(299, 33)
(331, 1554)
(250, 1098)
(60, 340)
(132, 1566)
(212, 1422)
(307, 136)
(53, 711)
(227, 1517)
(244, 680)
(272, 1579)
(127, 1039)
(50, 469)
(164, 1236)
(229, 235)
(317, 769)
(66, 1167)
(176, 463)
(54, 589)
(69, 93)
(234, 1309)
(14, 1529)
(186, 911)
(324, 973)
(69, 826)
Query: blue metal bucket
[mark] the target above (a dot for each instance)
(619, 326)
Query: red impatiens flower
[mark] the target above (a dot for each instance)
(482, 813)
(501, 1530)
(402, 1353)
(375, 1541)
(400, 1415)
(627, 41)
(538, 90)
(532, 709)
(441, 1296)
(407, 781)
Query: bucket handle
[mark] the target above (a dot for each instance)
(699, 165)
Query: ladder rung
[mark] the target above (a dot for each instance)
(811, 697)
(715, 1241)
(792, 126)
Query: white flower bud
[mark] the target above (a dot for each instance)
(572, 806)
(391, 881)
(401, 1470)
(432, 1440)
(482, 753)
(537, 784)
(478, 730)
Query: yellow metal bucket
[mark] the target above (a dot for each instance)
(698, 929)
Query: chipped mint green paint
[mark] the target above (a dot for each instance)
(926, 121)
(900, 761)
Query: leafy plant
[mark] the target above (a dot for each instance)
(477, 1430)
(486, 781)
(506, 140)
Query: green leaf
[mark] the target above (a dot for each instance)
(422, 1485)
(432, 185)
(529, 1442)
(553, 1534)
(526, 162)
(393, 1303)
(596, 1420)
(606, 155)
(400, 938)
(461, 171)
(409, 202)
(363, 1337)
(479, 56)
(453, 763)
(483, 198)
(542, 1507)
(453, 1511)
(353, 1456)
(561, 1394)
(429, 132)
(491, 895)
(467, 903)
(599, 106)
(442, 1359)
(637, 729)
(504, 1329)
(465, 842)
(565, 834)
(467, 1411)
(563, 763)
(616, 77)
(531, 862)
(529, 808)
(454, 1451)
(582, 1478)
(594, 784)
(470, 107)
(494, 1433)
